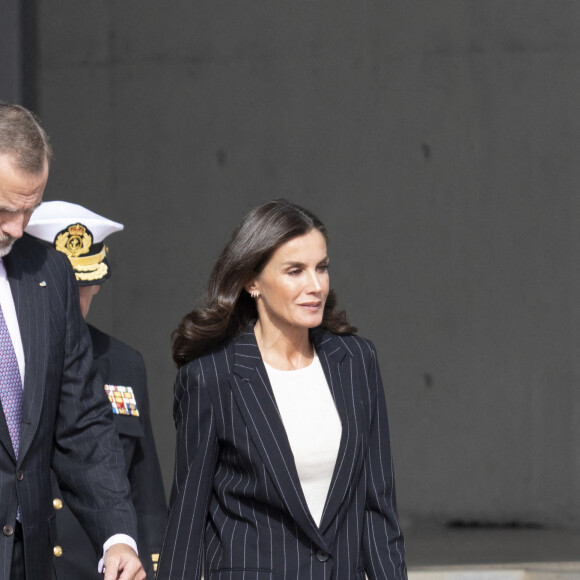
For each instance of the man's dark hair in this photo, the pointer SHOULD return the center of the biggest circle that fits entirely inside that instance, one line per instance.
(22, 136)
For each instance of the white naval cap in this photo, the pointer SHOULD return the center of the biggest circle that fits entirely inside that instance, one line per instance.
(77, 232)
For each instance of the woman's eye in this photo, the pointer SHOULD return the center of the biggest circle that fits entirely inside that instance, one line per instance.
(323, 267)
(294, 272)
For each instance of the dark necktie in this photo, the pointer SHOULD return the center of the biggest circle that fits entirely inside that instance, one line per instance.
(10, 384)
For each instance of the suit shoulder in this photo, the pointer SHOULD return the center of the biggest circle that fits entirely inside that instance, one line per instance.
(363, 342)
(357, 344)
(30, 245)
(105, 343)
(38, 252)
(359, 348)
(217, 360)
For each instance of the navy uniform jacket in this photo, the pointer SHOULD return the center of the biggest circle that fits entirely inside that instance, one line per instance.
(237, 503)
(119, 365)
(66, 420)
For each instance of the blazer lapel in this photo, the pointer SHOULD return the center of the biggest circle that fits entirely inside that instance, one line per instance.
(257, 404)
(31, 302)
(337, 363)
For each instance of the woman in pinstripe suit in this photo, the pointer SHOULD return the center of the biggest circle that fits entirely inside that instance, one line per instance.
(283, 464)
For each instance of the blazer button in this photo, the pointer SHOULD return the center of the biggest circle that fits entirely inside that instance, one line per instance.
(7, 530)
(57, 551)
(322, 556)
(20, 475)
(57, 503)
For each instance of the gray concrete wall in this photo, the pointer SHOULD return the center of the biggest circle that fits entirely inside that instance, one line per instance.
(439, 142)
(18, 52)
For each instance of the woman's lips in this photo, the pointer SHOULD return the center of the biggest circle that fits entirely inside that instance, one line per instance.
(311, 306)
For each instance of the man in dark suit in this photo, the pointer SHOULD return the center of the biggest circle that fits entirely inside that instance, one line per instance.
(53, 416)
(80, 234)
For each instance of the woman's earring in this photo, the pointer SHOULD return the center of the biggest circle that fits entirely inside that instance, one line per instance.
(254, 294)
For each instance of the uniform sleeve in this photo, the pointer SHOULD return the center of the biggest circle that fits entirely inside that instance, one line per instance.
(88, 458)
(145, 477)
(383, 544)
(196, 452)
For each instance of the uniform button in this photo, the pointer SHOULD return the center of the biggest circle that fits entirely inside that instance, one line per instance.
(57, 551)
(7, 530)
(20, 475)
(322, 556)
(57, 503)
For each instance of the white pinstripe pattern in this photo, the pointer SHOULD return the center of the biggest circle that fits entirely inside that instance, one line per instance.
(236, 489)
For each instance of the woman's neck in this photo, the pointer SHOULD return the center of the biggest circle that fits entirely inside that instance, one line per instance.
(284, 350)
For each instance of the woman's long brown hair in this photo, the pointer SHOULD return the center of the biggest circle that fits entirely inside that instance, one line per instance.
(226, 307)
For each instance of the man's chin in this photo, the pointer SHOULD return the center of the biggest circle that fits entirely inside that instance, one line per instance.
(5, 248)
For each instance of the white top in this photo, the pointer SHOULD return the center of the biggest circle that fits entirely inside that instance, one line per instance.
(313, 428)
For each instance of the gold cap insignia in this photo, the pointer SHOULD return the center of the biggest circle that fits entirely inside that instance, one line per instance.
(75, 241)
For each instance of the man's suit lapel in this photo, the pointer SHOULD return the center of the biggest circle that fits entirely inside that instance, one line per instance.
(31, 302)
(5, 436)
(337, 363)
(255, 398)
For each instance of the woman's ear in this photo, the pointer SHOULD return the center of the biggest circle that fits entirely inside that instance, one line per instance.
(252, 289)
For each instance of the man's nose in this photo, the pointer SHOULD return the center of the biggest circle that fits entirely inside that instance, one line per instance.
(13, 225)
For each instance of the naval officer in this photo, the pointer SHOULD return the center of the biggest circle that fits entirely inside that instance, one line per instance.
(80, 234)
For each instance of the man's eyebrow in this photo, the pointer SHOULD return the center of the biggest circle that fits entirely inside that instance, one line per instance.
(5, 209)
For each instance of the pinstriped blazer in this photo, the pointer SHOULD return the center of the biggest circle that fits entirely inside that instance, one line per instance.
(237, 503)
(65, 418)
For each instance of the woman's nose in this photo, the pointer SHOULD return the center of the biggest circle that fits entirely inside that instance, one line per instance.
(314, 284)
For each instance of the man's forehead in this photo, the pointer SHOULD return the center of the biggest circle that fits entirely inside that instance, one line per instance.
(13, 160)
